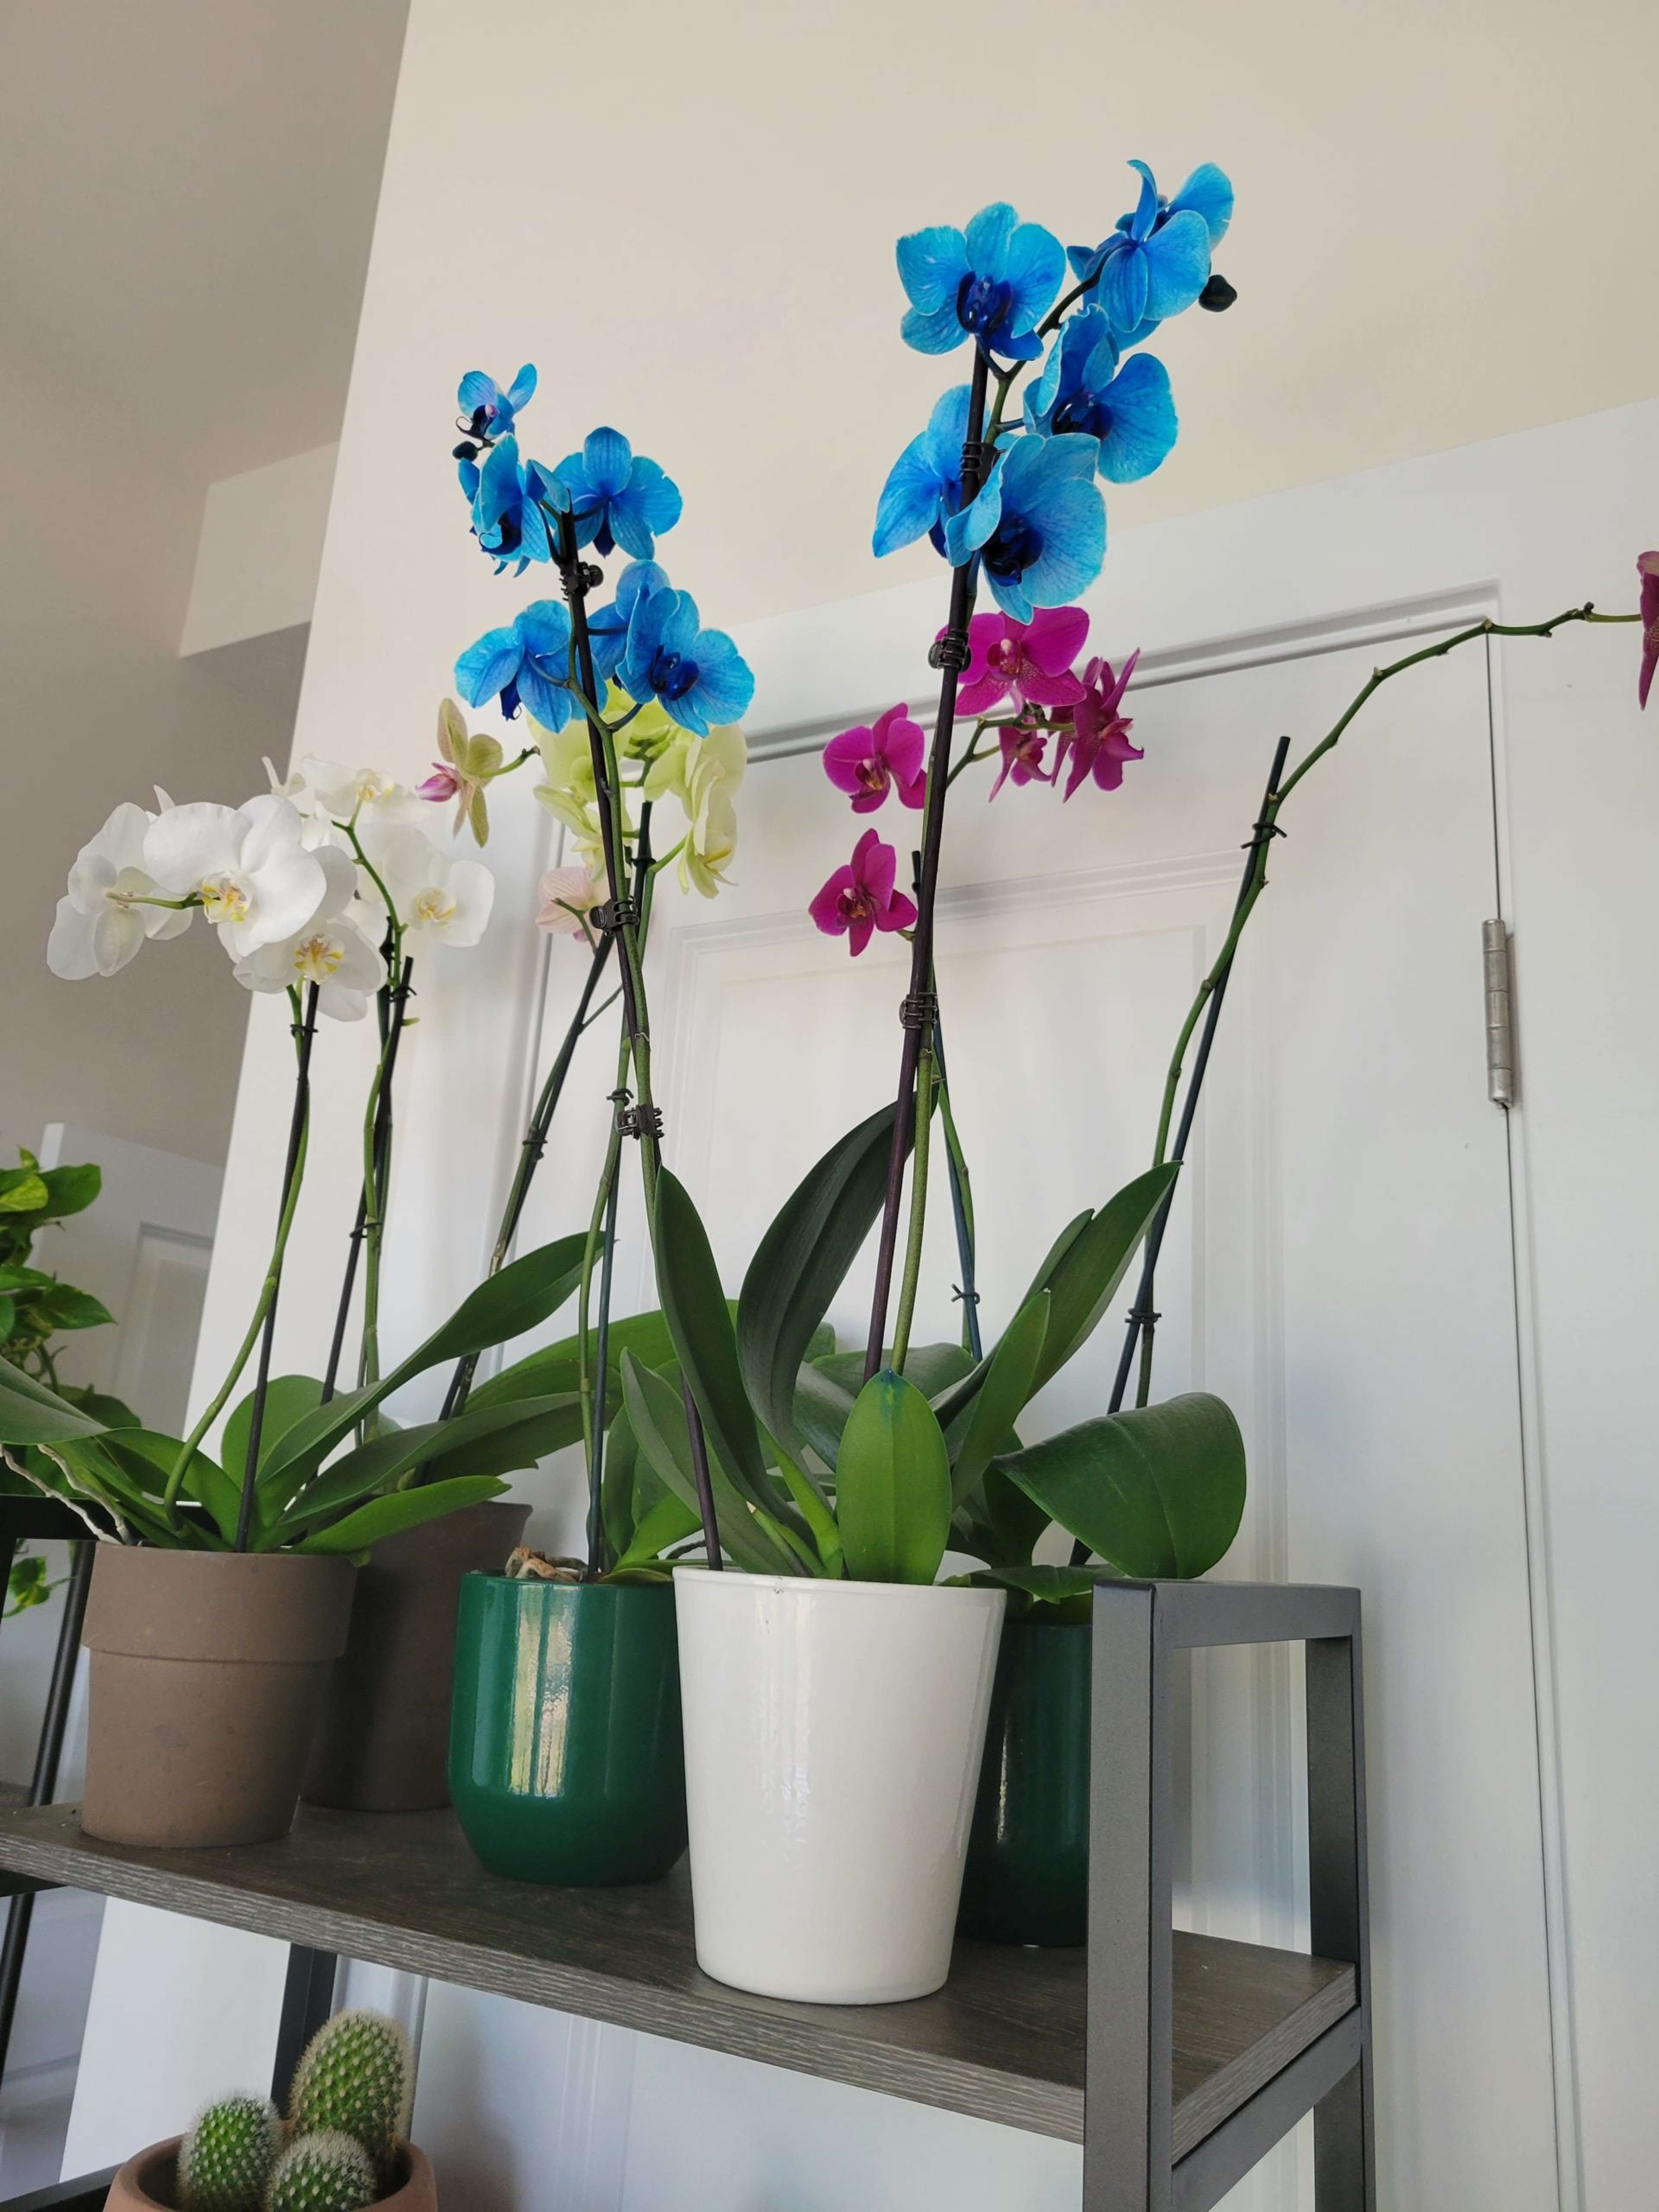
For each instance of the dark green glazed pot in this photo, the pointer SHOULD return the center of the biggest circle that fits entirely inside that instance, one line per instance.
(1027, 1853)
(565, 1758)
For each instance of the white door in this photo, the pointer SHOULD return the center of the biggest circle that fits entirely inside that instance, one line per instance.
(143, 1248)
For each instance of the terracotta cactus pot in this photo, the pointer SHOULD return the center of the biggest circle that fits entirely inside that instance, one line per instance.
(147, 2183)
(207, 1677)
(383, 1743)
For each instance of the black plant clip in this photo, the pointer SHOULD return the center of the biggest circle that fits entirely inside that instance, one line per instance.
(577, 578)
(637, 1121)
(919, 1009)
(614, 916)
(950, 649)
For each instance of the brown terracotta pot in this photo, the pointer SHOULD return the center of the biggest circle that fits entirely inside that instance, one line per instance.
(147, 2183)
(208, 1671)
(383, 1746)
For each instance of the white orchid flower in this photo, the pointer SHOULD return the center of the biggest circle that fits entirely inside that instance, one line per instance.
(567, 895)
(710, 842)
(247, 865)
(101, 923)
(334, 954)
(363, 795)
(435, 897)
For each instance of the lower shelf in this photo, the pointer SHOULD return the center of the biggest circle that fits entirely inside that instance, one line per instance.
(1004, 2040)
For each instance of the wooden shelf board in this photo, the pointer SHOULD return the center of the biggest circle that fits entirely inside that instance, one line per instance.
(1004, 2040)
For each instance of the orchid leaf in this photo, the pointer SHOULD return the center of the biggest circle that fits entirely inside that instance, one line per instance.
(288, 1398)
(893, 1484)
(670, 1521)
(404, 1509)
(1010, 1379)
(1091, 1266)
(620, 1514)
(801, 1263)
(1158, 1492)
(557, 1366)
(32, 1414)
(70, 1190)
(657, 1414)
(698, 1322)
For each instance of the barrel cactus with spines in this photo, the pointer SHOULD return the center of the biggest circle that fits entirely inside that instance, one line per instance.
(328, 2172)
(356, 2077)
(226, 2159)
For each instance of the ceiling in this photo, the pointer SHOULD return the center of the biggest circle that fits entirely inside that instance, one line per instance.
(189, 189)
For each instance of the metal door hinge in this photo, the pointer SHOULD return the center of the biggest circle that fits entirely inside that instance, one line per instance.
(1500, 1015)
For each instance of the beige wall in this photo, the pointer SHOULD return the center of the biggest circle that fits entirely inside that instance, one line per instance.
(96, 556)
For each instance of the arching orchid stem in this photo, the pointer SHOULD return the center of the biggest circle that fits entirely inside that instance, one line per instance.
(921, 943)
(607, 784)
(292, 1174)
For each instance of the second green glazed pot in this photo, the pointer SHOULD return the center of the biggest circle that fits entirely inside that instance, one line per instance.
(1028, 1854)
(566, 1762)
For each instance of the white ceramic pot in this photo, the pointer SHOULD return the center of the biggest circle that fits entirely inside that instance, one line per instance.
(833, 1734)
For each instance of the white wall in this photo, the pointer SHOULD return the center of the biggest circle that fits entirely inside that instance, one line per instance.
(95, 567)
(260, 548)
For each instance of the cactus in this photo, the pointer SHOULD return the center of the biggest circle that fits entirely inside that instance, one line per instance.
(225, 2161)
(355, 2077)
(328, 2172)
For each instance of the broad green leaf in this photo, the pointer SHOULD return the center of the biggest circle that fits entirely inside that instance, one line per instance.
(1063, 1596)
(505, 1439)
(70, 1190)
(931, 1367)
(801, 1263)
(556, 1366)
(658, 1418)
(525, 1293)
(65, 1307)
(1089, 1269)
(32, 1414)
(404, 1508)
(373, 1467)
(114, 1412)
(1158, 1492)
(1014, 1520)
(821, 1409)
(670, 1521)
(1010, 1379)
(814, 1509)
(688, 1285)
(25, 1278)
(893, 1485)
(288, 1399)
(7, 1316)
(22, 1191)
(618, 1515)
(149, 1459)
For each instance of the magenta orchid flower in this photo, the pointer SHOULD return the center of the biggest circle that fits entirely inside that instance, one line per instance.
(864, 762)
(1030, 663)
(1647, 568)
(443, 783)
(1023, 750)
(1098, 741)
(860, 897)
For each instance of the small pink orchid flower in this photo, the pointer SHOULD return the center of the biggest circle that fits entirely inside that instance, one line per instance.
(860, 897)
(443, 783)
(1023, 748)
(1029, 664)
(1098, 742)
(864, 762)
(1647, 568)
(567, 894)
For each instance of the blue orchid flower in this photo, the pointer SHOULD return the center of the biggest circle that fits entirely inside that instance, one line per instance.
(1083, 388)
(698, 676)
(527, 663)
(509, 498)
(994, 283)
(491, 411)
(1157, 262)
(618, 498)
(1039, 525)
(923, 489)
(607, 627)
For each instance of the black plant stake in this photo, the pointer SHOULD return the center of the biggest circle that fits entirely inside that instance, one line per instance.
(961, 1201)
(393, 1007)
(304, 1030)
(619, 916)
(917, 1012)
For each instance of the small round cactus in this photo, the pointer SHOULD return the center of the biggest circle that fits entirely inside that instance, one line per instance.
(356, 2077)
(329, 2171)
(225, 2161)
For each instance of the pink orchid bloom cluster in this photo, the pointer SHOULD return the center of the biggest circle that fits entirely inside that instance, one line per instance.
(1054, 721)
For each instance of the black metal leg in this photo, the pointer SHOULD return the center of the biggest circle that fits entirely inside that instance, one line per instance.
(48, 1753)
(88, 2192)
(307, 2001)
(1344, 2130)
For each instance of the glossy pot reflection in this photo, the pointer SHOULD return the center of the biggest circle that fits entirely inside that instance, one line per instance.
(1028, 1857)
(565, 1757)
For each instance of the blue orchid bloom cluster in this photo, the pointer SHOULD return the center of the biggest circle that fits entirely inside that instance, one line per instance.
(1096, 407)
(649, 638)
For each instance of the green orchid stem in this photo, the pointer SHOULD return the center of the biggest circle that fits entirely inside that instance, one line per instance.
(390, 1010)
(1141, 1322)
(914, 1012)
(962, 1203)
(262, 1327)
(607, 785)
(599, 1247)
(924, 1116)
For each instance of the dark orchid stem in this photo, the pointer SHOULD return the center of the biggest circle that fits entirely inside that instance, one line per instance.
(392, 1029)
(304, 1030)
(956, 1161)
(950, 656)
(601, 1354)
(647, 1122)
(530, 1155)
